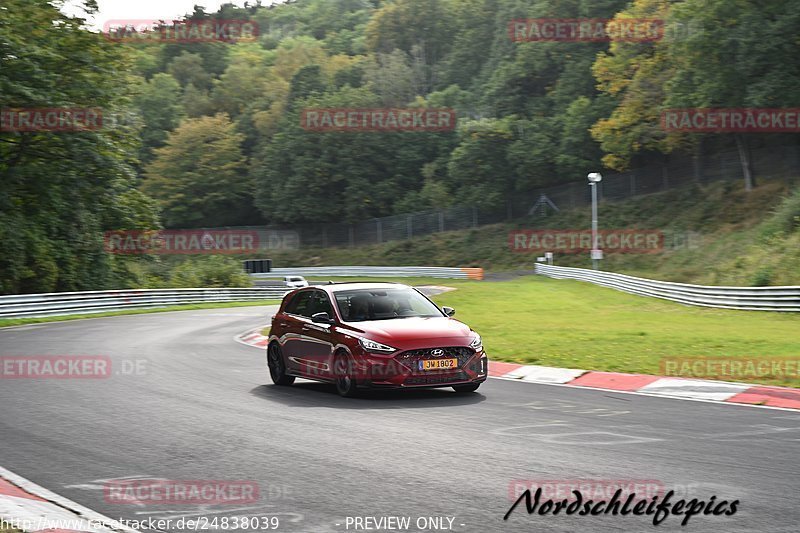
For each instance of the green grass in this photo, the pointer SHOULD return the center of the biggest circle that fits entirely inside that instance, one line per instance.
(565, 323)
(5, 322)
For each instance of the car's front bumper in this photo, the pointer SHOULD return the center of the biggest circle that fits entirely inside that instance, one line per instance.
(402, 370)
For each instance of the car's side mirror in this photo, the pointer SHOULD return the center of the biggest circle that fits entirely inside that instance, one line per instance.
(449, 311)
(321, 318)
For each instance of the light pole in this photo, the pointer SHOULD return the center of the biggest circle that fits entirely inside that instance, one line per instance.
(597, 253)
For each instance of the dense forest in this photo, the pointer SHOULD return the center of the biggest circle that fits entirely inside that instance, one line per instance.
(204, 134)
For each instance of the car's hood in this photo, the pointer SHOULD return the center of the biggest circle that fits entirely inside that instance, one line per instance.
(402, 330)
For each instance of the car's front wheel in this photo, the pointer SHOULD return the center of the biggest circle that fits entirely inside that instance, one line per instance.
(345, 375)
(471, 387)
(277, 367)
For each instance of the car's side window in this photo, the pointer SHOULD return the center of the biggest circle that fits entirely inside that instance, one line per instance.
(322, 304)
(301, 304)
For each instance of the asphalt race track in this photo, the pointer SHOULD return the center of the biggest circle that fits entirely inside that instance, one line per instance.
(201, 407)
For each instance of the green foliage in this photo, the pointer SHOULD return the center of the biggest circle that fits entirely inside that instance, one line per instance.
(785, 219)
(212, 271)
(160, 108)
(635, 76)
(187, 69)
(565, 106)
(60, 191)
(214, 132)
(304, 176)
(478, 170)
(198, 177)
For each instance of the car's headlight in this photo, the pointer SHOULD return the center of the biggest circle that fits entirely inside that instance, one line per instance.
(476, 343)
(372, 346)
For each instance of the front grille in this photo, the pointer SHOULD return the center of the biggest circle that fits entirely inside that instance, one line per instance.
(436, 379)
(410, 358)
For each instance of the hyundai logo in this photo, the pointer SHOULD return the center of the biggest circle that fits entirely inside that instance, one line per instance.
(437, 352)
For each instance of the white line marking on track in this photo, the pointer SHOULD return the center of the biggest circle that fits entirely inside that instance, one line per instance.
(663, 396)
(63, 503)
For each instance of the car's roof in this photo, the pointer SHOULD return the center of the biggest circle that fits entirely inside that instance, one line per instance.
(361, 285)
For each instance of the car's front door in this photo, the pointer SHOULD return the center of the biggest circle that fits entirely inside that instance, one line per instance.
(317, 340)
(292, 322)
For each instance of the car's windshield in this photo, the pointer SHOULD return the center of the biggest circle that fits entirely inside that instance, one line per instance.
(382, 304)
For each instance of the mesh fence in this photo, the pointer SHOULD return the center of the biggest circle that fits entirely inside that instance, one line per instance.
(771, 163)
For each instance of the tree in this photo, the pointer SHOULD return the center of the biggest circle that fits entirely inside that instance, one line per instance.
(635, 74)
(308, 176)
(199, 178)
(475, 28)
(576, 151)
(307, 82)
(531, 155)
(392, 77)
(421, 28)
(160, 106)
(196, 102)
(188, 69)
(478, 170)
(744, 55)
(244, 81)
(59, 191)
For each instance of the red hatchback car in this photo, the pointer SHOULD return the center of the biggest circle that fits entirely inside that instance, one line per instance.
(372, 335)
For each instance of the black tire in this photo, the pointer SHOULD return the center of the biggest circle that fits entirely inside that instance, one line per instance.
(465, 389)
(343, 372)
(277, 367)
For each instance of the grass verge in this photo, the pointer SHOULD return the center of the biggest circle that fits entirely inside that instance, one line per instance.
(566, 323)
(5, 322)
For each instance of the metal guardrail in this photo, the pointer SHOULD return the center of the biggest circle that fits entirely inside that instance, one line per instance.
(74, 303)
(786, 298)
(374, 271)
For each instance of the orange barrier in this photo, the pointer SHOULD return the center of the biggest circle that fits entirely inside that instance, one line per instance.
(473, 273)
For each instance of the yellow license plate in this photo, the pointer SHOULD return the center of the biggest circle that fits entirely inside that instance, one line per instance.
(437, 364)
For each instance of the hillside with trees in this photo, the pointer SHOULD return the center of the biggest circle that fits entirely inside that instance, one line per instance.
(209, 133)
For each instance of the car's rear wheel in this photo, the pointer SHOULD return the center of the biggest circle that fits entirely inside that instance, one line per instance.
(463, 389)
(277, 367)
(345, 376)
